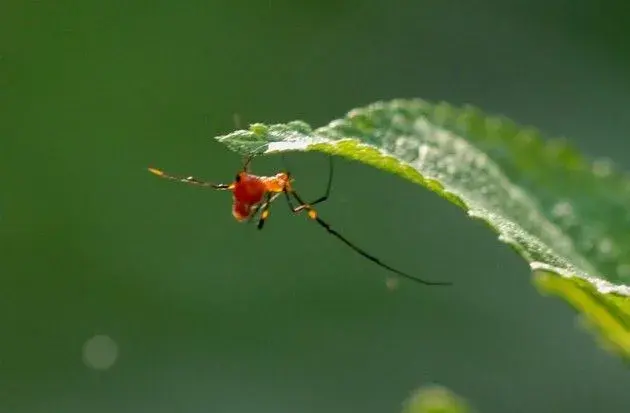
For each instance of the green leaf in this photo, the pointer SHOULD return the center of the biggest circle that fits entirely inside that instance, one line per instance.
(435, 399)
(566, 216)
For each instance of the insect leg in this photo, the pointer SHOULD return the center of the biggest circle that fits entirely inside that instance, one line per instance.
(255, 211)
(312, 214)
(264, 208)
(328, 185)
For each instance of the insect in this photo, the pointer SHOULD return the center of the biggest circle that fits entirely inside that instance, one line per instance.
(252, 196)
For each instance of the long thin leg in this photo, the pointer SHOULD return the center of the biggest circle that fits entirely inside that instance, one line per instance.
(247, 161)
(312, 213)
(190, 180)
(323, 197)
(292, 207)
(254, 212)
(264, 208)
(328, 186)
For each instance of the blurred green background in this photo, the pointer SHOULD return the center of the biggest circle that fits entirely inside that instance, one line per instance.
(208, 315)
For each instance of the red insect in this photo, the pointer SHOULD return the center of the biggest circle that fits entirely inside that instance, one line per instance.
(253, 195)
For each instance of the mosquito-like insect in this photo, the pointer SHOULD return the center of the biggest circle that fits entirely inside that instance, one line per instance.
(253, 195)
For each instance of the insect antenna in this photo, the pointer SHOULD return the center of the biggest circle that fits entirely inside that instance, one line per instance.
(189, 180)
(236, 118)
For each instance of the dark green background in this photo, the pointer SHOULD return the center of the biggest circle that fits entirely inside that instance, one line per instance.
(213, 316)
